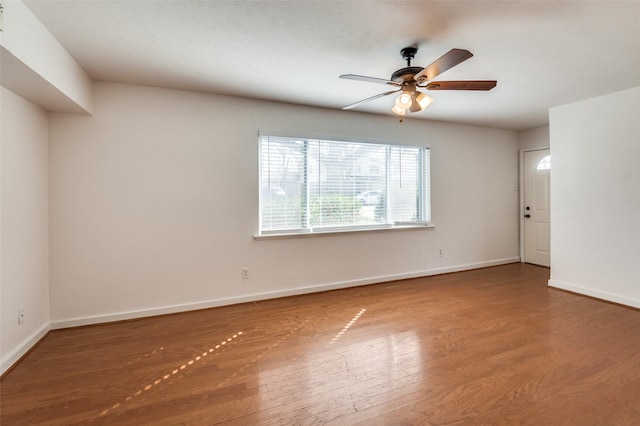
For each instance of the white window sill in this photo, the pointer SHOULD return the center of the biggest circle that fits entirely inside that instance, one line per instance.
(329, 232)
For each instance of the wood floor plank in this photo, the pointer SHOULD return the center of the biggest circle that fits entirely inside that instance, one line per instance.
(488, 346)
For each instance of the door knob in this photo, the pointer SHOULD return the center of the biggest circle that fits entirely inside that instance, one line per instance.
(527, 216)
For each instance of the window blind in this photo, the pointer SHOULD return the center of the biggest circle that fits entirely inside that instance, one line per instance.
(311, 185)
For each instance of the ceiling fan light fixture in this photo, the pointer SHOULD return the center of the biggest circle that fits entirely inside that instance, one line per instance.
(403, 103)
(404, 100)
(415, 105)
(399, 111)
(423, 100)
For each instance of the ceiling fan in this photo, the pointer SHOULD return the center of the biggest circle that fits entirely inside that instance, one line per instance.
(409, 79)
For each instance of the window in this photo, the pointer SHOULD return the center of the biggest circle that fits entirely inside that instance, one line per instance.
(311, 185)
(544, 164)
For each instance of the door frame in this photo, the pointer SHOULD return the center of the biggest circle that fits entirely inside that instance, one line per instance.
(521, 192)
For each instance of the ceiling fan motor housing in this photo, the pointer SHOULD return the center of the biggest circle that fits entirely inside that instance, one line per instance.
(405, 75)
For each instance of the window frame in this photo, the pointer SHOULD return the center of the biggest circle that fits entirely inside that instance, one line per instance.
(423, 207)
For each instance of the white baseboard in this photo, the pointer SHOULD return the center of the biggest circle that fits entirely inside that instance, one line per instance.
(598, 294)
(23, 348)
(99, 319)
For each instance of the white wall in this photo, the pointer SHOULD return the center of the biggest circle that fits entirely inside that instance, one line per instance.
(154, 205)
(534, 138)
(595, 197)
(24, 265)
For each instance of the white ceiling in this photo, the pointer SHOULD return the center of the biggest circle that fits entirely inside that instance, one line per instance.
(543, 53)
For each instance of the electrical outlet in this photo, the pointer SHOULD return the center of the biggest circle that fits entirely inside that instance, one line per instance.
(20, 316)
(245, 273)
(441, 253)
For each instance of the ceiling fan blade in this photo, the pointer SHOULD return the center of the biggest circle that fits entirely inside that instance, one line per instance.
(462, 85)
(370, 99)
(368, 79)
(445, 62)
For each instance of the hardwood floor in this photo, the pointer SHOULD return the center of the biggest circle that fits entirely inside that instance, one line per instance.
(489, 346)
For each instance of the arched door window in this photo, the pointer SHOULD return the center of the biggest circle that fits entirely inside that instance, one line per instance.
(544, 164)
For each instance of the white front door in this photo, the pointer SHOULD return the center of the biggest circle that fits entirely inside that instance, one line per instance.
(537, 179)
